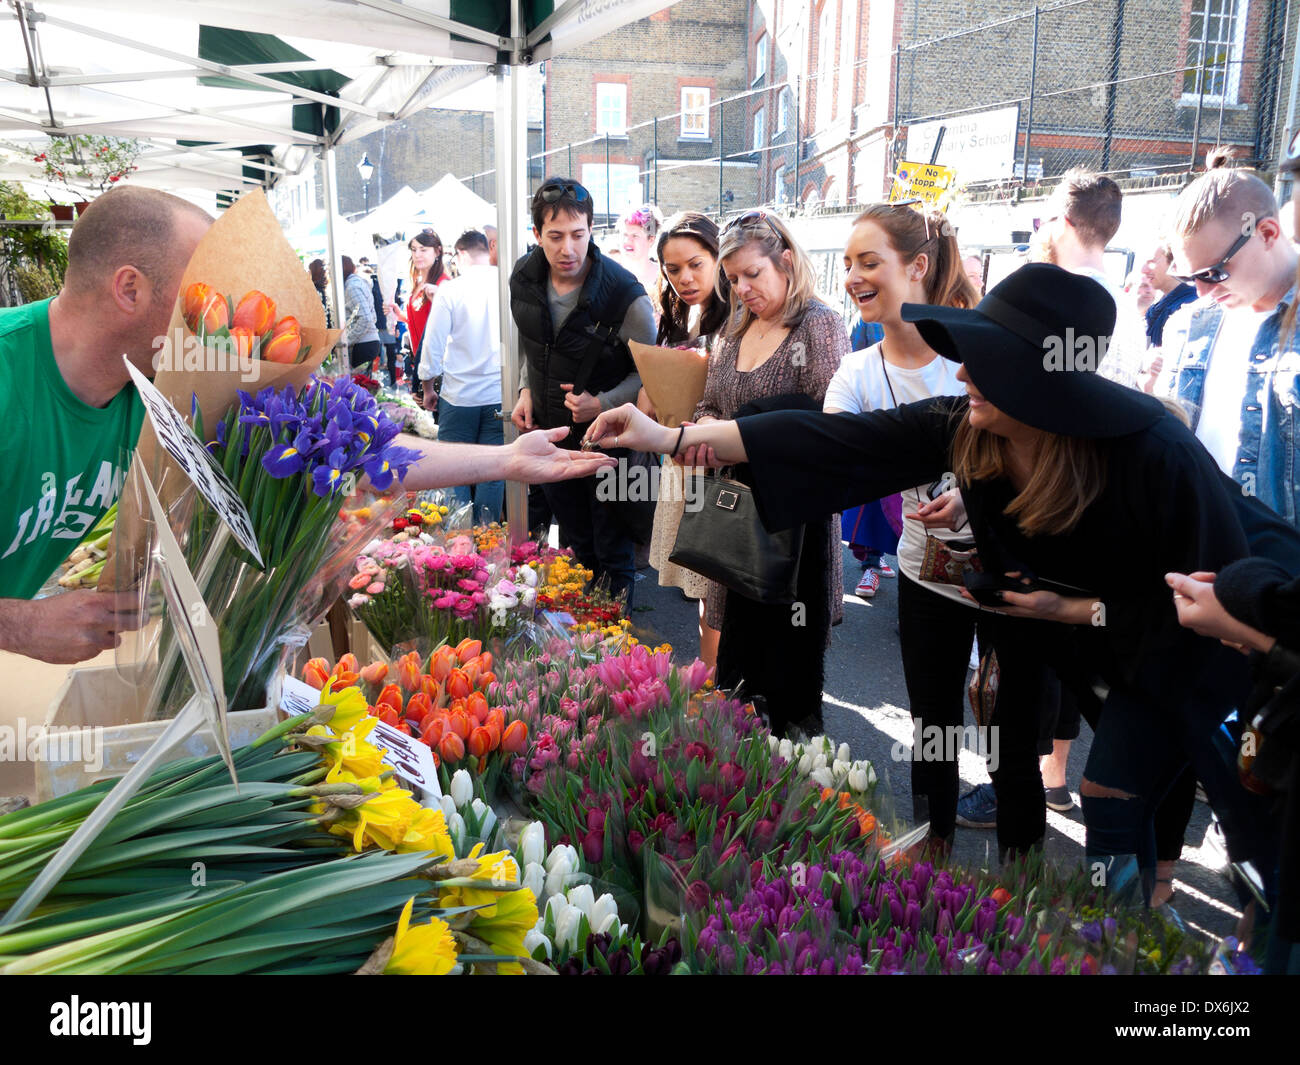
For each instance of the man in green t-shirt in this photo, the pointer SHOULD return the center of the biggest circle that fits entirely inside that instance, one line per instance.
(71, 416)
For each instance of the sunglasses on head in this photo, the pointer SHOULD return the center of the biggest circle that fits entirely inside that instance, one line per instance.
(556, 192)
(749, 218)
(1216, 274)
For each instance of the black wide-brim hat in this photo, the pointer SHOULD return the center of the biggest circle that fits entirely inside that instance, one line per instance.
(1032, 347)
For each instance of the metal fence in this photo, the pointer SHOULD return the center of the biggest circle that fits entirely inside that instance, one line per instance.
(1137, 89)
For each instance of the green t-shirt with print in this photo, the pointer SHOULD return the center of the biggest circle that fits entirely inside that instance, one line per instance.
(64, 462)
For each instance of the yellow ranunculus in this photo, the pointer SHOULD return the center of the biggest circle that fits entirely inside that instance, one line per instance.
(425, 950)
(504, 928)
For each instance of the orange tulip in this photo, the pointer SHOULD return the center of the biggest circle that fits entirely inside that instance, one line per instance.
(494, 730)
(480, 742)
(496, 716)
(287, 324)
(486, 680)
(467, 649)
(348, 663)
(486, 661)
(515, 737)
(339, 681)
(418, 707)
(477, 705)
(458, 685)
(375, 672)
(241, 343)
(432, 729)
(316, 673)
(431, 688)
(255, 312)
(203, 308)
(437, 760)
(471, 671)
(283, 348)
(408, 671)
(444, 660)
(451, 747)
(459, 722)
(390, 696)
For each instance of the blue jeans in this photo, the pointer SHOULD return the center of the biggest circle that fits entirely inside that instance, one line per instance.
(474, 425)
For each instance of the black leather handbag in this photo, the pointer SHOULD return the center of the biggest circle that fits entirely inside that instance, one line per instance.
(722, 538)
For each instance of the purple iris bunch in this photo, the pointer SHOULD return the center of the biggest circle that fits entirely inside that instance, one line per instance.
(327, 432)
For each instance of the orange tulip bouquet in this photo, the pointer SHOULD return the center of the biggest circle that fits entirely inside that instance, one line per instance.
(294, 447)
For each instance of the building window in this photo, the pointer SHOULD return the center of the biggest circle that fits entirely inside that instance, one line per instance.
(779, 193)
(611, 108)
(1216, 37)
(760, 60)
(695, 112)
(760, 131)
(622, 192)
(784, 110)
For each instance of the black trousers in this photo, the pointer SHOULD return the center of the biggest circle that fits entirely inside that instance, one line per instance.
(364, 354)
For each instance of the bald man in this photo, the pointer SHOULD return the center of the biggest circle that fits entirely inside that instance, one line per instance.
(71, 416)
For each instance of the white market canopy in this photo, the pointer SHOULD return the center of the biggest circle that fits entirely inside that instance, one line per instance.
(135, 69)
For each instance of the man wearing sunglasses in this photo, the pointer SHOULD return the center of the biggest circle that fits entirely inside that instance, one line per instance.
(1234, 368)
(576, 310)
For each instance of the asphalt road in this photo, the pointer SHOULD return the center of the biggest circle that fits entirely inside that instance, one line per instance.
(865, 706)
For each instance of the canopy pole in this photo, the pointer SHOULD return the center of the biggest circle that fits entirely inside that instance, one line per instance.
(510, 132)
(329, 181)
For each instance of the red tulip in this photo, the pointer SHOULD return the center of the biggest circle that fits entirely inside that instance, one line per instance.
(391, 696)
(458, 685)
(255, 312)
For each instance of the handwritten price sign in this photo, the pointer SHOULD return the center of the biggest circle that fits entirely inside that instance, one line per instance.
(199, 466)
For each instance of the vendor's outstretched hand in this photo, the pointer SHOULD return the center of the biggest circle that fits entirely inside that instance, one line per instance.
(536, 459)
(628, 427)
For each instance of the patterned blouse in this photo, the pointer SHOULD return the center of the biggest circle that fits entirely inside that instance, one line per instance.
(805, 361)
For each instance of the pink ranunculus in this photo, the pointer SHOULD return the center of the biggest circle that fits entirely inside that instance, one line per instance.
(359, 581)
(445, 602)
(375, 589)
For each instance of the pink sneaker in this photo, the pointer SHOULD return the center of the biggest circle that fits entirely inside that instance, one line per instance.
(869, 584)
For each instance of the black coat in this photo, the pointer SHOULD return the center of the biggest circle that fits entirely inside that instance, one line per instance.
(588, 337)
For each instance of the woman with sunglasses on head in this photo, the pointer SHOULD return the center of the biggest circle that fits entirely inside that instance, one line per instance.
(782, 345)
(427, 273)
(897, 255)
(1055, 464)
(693, 310)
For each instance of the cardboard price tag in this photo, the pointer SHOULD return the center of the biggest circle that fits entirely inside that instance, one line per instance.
(199, 466)
(410, 759)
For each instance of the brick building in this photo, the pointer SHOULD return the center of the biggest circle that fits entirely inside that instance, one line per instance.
(655, 88)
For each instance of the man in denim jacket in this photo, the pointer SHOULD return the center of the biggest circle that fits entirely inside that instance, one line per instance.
(1237, 368)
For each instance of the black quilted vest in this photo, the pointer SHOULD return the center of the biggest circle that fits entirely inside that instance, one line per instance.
(554, 359)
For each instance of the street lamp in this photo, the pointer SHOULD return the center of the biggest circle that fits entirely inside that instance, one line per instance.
(366, 169)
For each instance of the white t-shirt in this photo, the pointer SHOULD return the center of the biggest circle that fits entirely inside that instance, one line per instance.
(863, 383)
(1219, 426)
(1126, 355)
(463, 338)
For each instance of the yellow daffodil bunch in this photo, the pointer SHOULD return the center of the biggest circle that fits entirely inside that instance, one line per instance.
(499, 867)
(504, 927)
(390, 819)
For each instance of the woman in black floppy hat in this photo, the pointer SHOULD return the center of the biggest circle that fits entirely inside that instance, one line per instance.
(1088, 493)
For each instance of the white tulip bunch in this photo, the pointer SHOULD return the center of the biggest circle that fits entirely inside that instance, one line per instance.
(825, 764)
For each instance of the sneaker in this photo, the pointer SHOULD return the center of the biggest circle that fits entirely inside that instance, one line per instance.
(885, 569)
(868, 585)
(978, 808)
(1058, 799)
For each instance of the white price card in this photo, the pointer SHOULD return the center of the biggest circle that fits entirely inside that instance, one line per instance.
(410, 759)
(193, 457)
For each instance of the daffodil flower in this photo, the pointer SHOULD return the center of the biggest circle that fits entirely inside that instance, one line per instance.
(423, 950)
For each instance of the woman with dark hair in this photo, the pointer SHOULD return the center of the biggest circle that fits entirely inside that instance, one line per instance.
(427, 274)
(361, 332)
(320, 278)
(1055, 464)
(692, 302)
